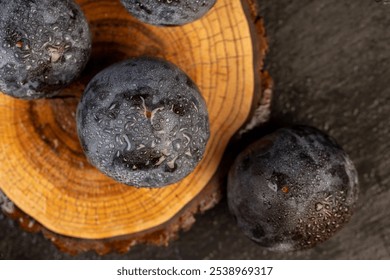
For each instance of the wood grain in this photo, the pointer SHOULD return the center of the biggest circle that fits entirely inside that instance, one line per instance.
(42, 167)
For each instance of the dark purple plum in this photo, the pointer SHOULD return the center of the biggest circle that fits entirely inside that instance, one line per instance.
(44, 45)
(292, 189)
(168, 12)
(143, 122)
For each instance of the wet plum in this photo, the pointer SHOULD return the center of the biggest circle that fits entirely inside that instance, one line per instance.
(44, 45)
(143, 122)
(292, 189)
(165, 12)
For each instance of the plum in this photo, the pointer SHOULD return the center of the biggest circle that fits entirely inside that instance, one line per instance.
(44, 46)
(168, 12)
(143, 122)
(292, 189)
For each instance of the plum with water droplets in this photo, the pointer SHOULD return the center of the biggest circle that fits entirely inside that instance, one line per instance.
(143, 122)
(292, 189)
(168, 12)
(44, 46)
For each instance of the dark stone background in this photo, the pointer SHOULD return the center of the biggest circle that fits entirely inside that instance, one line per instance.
(331, 64)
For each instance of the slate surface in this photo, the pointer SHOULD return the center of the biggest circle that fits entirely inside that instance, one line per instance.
(331, 64)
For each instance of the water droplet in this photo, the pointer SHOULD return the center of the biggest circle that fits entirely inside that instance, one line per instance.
(319, 206)
(273, 186)
(176, 144)
(188, 153)
(126, 138)
(118, 130)
(171, 163)
(140, 146)
(68, 56)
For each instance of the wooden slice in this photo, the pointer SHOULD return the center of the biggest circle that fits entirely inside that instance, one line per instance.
(45, 173)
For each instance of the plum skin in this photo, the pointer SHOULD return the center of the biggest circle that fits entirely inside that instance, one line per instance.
(168, 13)
(44, 46)
(143, 123)
(292, 189)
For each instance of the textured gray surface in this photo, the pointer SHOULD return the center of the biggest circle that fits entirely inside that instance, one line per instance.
(330, 61)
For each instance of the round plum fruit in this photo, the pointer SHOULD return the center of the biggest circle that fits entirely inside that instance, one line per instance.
(44, 45)
(143, 122)
(168, 12)
(292, 189)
